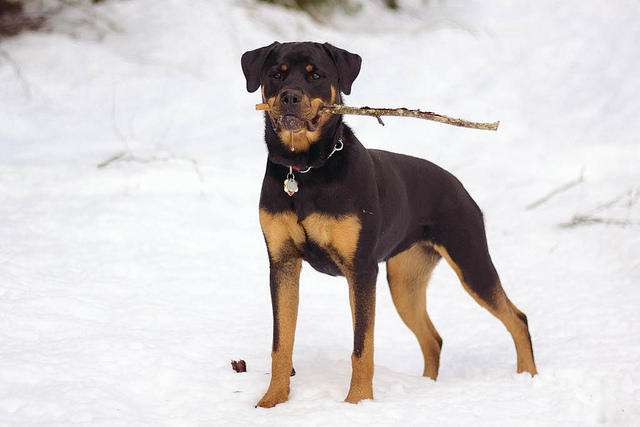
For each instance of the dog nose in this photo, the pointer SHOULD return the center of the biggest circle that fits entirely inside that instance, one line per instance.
(291, 97)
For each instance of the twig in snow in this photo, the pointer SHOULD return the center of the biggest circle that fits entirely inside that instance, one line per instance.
(588, 220)
(83, 15)
(128, 156)
(628, 199)
(93, 17)
(397, 112)
(113, 159)
(16, 69)
(555, 192)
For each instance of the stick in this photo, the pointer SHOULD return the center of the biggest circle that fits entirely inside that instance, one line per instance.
(588, 220)
(397, 112)
(632, 196)
(555, 192)
(17, 71)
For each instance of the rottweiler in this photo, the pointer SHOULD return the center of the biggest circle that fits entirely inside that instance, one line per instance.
(342, 208)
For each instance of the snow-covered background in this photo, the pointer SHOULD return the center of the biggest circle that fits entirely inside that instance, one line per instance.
(133, 270)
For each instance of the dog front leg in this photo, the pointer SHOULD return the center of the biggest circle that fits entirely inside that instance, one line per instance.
(284, 282)
(362, 295)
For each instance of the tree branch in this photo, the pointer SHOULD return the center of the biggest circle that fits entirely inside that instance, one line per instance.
(628, 200)
(398, 112)
(555, 192)
(127, 157)
(16, 69)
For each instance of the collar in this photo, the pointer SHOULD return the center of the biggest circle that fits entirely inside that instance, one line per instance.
(290, 183)
(337, 147)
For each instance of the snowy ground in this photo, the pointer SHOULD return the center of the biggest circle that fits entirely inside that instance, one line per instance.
(127, 289)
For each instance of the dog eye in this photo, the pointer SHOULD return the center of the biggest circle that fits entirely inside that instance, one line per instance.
(277, 75)
(315, 76)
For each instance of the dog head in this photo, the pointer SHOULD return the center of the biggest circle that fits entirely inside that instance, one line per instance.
(296, 80)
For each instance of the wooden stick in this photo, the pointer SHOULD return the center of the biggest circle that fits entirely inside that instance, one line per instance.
(397, 112)
(555, 192)
(628, 200)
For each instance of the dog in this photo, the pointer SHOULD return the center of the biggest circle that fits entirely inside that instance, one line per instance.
(343, 209)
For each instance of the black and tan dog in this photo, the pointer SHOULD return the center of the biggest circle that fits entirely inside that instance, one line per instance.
(343, 208)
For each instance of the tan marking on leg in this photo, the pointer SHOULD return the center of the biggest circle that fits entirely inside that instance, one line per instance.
(500, 306)
(516, 323)
(287, 314)
(278, 229)
(361, 386)
(284, 236)
(337, 235)
(445, 254)
(408, 274)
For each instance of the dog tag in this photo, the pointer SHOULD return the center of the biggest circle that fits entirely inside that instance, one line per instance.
(290, 185)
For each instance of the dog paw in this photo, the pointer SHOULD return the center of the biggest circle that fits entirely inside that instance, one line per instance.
(356, 397)
(271, 399)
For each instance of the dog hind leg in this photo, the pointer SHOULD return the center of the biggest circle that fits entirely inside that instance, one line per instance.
(469, 258)
(408, 274)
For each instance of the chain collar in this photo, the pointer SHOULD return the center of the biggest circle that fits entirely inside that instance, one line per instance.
(291, 185)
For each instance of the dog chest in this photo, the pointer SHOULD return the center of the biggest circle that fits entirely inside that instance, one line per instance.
(322, 239)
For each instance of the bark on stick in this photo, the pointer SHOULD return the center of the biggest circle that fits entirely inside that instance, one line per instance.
(398, 112)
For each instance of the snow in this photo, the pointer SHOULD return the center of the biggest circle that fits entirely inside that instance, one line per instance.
(127, 289)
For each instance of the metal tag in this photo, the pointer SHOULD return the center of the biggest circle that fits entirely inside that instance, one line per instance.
(290, 185)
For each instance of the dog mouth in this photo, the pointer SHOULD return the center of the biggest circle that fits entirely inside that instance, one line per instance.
(294, 111)
(295, 123)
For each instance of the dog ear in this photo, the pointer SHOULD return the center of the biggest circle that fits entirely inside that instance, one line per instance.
(252, 62)
(348, 66)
